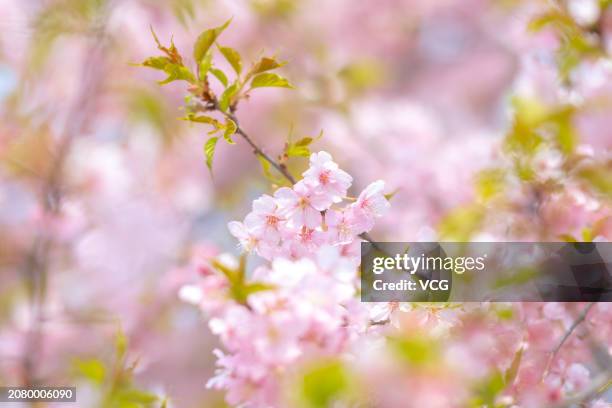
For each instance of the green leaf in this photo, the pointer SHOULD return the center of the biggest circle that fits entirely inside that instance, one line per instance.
(530, 111)
(230, 274)
(587, 235)
(392, 194)
(297, 151)
(270, 80)
(203, 119)
(177, 73)
(504, 313)
(226, 97)
(265, 64)
(524, 170)
(488, 390)
(364, 74)
(529, 114)
(230, 129)
(255, 287)
(241, 290)
(512, 371)
(156, 62)
(91, 369)
(233, 57)
(323, 384)
(599, 178)
(205, 40)
(155, 37)
(184, 10)
(242, 266)
(172, 53)
(556, 18)
(566, 134)
(304, 141)
(490, 183)
(220, 75)
(299, 148)
(209, 151)
(138, 396)
(518, 277)
(567, 238)
(121, 343)
(461, 223)
(205, 65)
(266, 167)
(414, 349)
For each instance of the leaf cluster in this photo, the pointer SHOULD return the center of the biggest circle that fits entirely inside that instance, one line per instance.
(235, 86)
(578, 42)
(115, 380)
(239, 287)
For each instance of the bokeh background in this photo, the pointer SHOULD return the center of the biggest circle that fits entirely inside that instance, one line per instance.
(105, 195)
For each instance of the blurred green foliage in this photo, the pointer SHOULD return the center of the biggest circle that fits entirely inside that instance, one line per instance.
(114, 380)
(415, 349)
(239, 288)
(323, 384)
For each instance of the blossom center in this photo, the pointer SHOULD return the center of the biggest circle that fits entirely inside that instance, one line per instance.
(272, 221)
(344, 228)
(303, 202)
(306, 234)
(324, 177)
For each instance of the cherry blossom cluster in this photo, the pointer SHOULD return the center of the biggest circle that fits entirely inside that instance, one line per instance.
(311, 314)
(309, 308)
(296, 221)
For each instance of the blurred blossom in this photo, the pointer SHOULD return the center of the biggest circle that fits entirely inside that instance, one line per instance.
(458, 120)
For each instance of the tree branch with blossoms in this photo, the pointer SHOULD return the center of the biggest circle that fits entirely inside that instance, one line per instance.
(302, 304)
(203, 99)
(308, 231)
(281, 168)
(579, 319)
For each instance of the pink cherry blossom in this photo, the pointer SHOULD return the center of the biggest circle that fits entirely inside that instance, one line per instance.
(326, 178)
(250, 234)
(128, 196)
(302, 205)
(341, 226)
(577, 377)
(305, 241)
(370, 204)
(267, 218)
(313, 262)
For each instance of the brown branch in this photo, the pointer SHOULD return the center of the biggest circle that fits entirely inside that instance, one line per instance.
(281, 168)
(379, 322)
(35, 267)
(600, 384)
(579, 319)
(212, 104)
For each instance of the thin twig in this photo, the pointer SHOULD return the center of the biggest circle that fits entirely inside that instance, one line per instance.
(600, 384)
(566, 335)
(282, 169)
(36, 263)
